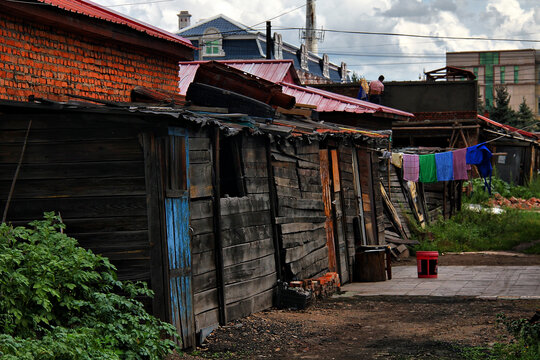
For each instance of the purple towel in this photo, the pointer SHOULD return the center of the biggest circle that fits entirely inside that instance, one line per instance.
(444, 164)
(411, 167)
(460, 165)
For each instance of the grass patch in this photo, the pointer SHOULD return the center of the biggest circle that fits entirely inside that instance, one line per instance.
(535, 249)
(477, 231)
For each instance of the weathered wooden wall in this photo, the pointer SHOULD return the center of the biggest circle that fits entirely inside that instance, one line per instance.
(203, 241)
(90, 170)
(300, 213)
(249, 272)
(248, 248)
(350, 206)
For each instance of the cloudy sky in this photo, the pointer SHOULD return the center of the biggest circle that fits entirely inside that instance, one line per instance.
(397, 57)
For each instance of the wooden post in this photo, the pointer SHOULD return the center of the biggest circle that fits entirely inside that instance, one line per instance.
(218, 241)
(276, 234)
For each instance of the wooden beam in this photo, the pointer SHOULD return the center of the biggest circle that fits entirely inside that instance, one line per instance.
(435, 127)
(276, 234)
(218, 253)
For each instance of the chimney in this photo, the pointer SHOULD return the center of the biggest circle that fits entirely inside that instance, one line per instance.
(311, 25)
(184, 19)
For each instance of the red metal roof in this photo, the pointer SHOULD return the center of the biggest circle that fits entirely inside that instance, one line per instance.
(94, 10)
(327, 101)
(508, 127)
(274, 71)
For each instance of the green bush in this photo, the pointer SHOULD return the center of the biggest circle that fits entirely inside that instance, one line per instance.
(470, 230)
(60, 301)
(524, 344)
(480, 196)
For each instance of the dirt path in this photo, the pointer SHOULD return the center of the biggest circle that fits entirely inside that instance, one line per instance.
(380, 327)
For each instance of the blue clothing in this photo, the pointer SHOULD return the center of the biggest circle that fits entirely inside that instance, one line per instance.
(445, 166)
(362, 94)
(480, 156)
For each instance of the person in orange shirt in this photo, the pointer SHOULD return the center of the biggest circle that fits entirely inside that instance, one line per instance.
(376, 89)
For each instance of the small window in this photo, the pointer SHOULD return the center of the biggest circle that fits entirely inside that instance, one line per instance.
(475, 71)
(176, 181)
(231, 169)
(516, 74)
(503, 74)
(212, 43)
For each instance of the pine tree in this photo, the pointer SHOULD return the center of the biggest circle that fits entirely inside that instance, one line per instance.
(526, 118)
(501, 111)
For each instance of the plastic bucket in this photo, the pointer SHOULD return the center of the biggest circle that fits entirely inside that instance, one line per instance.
(427, 263)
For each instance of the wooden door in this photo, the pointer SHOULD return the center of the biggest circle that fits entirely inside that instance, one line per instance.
(178, 237)
(359, 203)
(368, 196)
(327, 200)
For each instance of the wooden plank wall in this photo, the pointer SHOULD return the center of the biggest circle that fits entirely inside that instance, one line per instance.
(90, 170)
(398, 198)
(350, 208)
(248, 248)
(202, 242)
(379, 207)
(300, 213)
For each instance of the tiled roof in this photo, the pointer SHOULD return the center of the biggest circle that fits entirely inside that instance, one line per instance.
(326, 101)
(224, 26)
(94, 10)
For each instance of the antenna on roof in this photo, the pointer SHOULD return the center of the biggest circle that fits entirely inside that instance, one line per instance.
(310, 34)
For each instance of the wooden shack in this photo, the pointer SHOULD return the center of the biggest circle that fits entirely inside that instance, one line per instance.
(210, 209)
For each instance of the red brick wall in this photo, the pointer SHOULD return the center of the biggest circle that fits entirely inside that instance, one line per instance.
(47, 62)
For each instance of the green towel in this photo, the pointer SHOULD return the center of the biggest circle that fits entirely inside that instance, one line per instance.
(428, 169)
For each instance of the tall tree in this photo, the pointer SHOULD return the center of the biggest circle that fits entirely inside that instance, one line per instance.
(526, 118)
(501, 111)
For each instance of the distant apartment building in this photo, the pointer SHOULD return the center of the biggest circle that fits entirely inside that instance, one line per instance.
(518, 70)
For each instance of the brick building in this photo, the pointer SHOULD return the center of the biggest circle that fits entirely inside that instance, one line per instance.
(518, 70)
(51, 48)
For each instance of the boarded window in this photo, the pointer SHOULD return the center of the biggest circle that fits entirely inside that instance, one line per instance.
(231, 169)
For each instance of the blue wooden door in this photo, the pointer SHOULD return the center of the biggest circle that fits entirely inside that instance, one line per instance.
(178, 237)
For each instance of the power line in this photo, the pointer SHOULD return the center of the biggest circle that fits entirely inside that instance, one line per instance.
(275, 17)
(413, 35)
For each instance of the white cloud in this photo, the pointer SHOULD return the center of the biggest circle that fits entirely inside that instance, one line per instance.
(462, 18)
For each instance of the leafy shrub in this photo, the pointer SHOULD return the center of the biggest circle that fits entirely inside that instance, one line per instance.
(60, 301)
(480, 196)
(524, 345)
(470, 230)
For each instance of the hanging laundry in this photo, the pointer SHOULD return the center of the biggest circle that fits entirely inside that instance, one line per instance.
(411, 167)
(386, 154)
(397, 159)
(428, 170)
(460, 164)
(445, 166)
(480, 156)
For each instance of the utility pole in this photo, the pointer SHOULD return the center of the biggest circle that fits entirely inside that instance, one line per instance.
(268, 40)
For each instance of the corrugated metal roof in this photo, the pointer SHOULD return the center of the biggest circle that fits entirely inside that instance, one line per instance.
(274, 71)
(97, 11)
(508, 127)
(330, 102)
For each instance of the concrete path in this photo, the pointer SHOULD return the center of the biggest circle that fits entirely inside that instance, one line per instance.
(491, 282)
